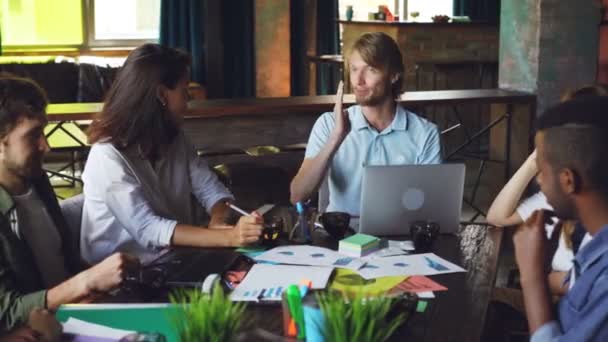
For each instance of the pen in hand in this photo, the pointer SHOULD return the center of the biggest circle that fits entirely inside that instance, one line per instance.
(237, 209)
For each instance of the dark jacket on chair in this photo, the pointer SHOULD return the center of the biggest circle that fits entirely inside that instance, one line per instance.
(21, 286)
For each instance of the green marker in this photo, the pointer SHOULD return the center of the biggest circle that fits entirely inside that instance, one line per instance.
(294, 300)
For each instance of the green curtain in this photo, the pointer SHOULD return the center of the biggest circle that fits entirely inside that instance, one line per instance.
(478, 10)
(239, 53)
(181, 26)
(328, 42)
(299, 61)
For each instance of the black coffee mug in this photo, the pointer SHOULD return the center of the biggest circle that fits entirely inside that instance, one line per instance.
(423, 234)
(272, 230)
(336, 224)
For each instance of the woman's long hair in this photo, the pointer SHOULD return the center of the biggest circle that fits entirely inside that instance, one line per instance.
(132, 113)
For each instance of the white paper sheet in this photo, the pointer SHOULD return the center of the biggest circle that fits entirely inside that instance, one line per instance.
(265, 208)
(406, 245)
(113, 306)
(426, 295)
(385, 252)
(78, 327)
(417, 264)
(310, 256)
(272, 280)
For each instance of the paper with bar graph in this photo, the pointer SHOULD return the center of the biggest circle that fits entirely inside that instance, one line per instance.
(266, 282)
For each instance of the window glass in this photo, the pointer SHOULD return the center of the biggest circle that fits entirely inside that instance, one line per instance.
(41, 22)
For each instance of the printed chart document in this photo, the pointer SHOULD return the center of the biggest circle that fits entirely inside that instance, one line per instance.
(311, 256)
(267, 282)
(417, 264)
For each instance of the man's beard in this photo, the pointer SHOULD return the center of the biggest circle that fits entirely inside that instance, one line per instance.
(31, 168)
(375, 98)
(563, 207)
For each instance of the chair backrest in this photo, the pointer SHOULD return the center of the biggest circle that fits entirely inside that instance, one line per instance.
(71, 209)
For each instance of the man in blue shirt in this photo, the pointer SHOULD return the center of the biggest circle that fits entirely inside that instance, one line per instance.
(571, 142)
(377, 131)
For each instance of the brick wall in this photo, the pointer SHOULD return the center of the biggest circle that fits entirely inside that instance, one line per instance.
(548, 46)
(426, 42)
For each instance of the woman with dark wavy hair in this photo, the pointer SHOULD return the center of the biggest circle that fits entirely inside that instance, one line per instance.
(142, 172)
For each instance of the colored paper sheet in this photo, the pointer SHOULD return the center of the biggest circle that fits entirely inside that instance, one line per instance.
(253, 249)
(421, 306)
(251, 252)
(418, 284)
(351, 283)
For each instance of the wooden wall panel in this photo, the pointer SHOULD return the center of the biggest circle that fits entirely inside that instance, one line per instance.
(272, 48)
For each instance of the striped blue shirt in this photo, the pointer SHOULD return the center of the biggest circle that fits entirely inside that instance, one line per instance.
(583, 311)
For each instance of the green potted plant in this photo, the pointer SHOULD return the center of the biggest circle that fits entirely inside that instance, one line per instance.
(207, 317)
(361, 318)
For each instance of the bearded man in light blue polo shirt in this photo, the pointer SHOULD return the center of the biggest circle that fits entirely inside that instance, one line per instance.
(376, 131)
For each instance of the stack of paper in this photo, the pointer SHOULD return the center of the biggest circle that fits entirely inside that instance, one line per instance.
(359, 245)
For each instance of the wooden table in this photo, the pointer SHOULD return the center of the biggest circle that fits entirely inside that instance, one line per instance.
(457, 314)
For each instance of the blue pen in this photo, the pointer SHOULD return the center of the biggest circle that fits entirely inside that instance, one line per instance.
(303, 222)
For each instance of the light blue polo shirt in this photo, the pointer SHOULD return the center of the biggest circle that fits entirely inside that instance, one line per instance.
(409, 139)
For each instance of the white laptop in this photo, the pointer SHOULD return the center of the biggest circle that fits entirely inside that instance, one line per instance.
(393, 197)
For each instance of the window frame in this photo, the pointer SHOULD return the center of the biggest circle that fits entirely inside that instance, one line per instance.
(89, 43)
(89, 32)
